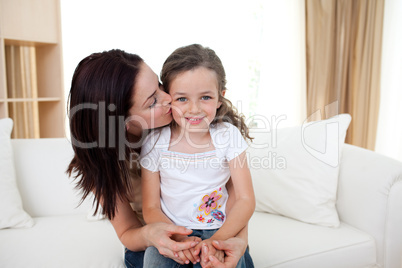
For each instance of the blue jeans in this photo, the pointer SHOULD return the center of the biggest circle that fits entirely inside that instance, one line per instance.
(134, 259)
(248, 259)
(152, 257)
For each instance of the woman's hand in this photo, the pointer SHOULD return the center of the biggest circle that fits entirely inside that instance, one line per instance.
(188, 255)
(234, 249)
(207, 249)
(160, 235)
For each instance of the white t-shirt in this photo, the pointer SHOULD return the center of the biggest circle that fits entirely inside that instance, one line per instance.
(193, 192)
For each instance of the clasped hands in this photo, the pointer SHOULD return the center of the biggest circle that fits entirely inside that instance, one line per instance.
(204, 251)
(161, 235)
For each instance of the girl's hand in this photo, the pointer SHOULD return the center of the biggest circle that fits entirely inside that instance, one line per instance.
(192, 254)
(160, 235)
(207, 250)
(234, 249)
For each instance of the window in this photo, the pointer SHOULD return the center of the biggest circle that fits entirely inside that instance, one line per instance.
(261, 44)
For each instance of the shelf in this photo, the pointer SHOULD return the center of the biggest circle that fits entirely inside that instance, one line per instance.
(31, 75)
(15, 42)
(30, 100)
(35, 119)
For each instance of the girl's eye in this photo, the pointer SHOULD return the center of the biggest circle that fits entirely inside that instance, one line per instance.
(181, 99)
(206, 98)
(154, 103)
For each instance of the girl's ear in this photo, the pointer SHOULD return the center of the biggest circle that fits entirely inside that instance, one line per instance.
(219, 102)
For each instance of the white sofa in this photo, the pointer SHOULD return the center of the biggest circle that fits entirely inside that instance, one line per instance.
(63, 235)
(369, 205)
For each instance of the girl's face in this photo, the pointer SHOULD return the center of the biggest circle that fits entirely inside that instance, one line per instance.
(195, 98)
(151, 107)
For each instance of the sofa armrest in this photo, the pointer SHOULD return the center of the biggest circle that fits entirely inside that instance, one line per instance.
(370, 199)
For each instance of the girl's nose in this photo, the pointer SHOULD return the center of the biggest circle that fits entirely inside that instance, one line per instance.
(194, 108)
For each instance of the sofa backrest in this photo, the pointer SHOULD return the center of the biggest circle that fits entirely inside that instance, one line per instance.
(45, 188)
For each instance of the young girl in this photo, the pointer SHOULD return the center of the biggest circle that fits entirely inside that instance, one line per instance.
(186, 165)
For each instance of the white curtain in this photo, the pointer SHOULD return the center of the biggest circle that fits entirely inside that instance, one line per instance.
(282, 87)
(389, 131)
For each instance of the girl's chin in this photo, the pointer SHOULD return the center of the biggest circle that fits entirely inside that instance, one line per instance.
(196, 127)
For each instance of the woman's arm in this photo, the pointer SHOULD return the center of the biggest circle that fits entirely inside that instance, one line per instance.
(128, 226)
(136, 237)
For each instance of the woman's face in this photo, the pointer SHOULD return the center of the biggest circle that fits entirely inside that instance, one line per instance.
(151, 107)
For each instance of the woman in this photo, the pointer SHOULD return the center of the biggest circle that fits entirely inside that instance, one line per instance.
(115, 99)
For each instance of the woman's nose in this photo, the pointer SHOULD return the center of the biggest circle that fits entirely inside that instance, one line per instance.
(167, 99)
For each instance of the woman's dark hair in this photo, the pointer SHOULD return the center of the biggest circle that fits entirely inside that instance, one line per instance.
(100, 97)
(194, 56)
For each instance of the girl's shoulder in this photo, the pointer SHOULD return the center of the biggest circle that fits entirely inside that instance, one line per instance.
(228, 140)
(224, 129)
(225, 133)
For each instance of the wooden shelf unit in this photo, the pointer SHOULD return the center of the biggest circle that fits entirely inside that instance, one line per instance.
(31, 74)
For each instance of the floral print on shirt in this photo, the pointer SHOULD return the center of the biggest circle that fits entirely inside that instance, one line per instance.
(209, 208)
(218, 215)
(210, 202)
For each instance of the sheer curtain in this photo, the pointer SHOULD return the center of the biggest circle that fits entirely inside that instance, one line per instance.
(389, 133)
(343, 63)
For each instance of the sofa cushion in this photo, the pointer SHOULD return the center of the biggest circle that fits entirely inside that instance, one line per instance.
(295, 170)
(12, 214)
(31, 156)
(62, 241)
(277, 241)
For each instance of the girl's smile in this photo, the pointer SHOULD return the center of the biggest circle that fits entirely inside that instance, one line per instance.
(194, 120)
